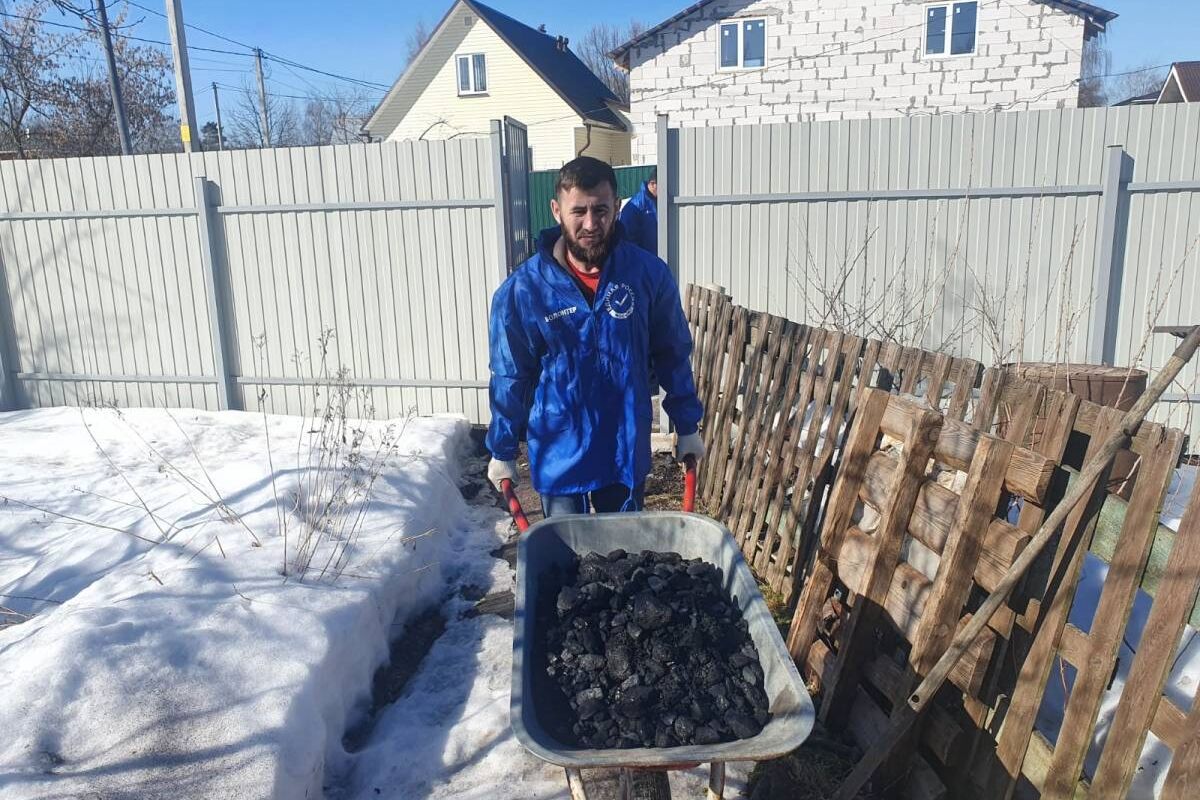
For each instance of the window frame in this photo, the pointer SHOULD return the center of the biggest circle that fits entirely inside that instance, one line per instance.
(949, 31)
(739, 22)
(459, 58)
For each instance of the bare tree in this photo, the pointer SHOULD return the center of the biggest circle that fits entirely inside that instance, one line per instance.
(30, 86)
(416, 39)
(56, 110)
(243, 123)
(601, 40)
(334, 118)
(1135, 82)
(1097, 62)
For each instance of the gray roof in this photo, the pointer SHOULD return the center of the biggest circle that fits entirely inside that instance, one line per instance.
(1096, 16)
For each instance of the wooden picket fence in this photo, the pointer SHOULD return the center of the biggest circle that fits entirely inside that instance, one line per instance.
(923, 491)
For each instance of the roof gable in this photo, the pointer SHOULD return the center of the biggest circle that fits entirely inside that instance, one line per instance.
(1094, 15)
(560, 69)
(1186, 75)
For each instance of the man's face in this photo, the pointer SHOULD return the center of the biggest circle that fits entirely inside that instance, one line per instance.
(652, 187)
(588, 218)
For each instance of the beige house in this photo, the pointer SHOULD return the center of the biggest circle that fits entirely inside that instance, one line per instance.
(481, 65)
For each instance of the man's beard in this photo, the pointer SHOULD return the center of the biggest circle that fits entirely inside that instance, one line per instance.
(592, 255)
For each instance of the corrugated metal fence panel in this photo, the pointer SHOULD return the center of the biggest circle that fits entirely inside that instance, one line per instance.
(111, 295)
(377, 295)
(995, 278)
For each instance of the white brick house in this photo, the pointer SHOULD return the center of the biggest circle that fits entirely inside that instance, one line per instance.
(721, 62)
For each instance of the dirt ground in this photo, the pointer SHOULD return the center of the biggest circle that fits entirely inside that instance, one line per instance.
(664, 485)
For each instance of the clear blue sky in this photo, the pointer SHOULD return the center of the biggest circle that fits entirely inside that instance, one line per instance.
(366, 38)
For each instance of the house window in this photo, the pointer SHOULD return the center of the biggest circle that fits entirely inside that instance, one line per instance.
(743, 44)
(472, 74)
(950, 29)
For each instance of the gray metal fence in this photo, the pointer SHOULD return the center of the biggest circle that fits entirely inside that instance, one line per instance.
(1059, 235)
(212, 279)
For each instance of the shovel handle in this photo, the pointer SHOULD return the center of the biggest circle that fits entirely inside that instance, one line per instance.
(514, 505)
(689, 483)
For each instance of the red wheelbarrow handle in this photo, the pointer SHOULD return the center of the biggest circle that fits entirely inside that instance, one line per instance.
(514, 505)
(522, 522)
(689, 483)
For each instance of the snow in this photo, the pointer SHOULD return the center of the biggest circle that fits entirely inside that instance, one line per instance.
(192, 667)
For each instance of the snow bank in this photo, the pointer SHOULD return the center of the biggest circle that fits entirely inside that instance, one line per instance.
(193, 668)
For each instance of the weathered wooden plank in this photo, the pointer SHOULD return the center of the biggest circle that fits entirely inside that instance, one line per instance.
(956, 569)
(1035, 669)
(821, 471)
(1028, 475)
(1112, 613)
(866, 723)
(813, 442)
(795, 435)
(722, 433)
(939, 372)
(760, 439)
(1142, 694)
(919, 437)
(752, 374)
(859, 447)
(783, 443)
(965, 378)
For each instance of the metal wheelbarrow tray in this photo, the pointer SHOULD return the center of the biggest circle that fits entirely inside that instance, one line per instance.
(544, 557)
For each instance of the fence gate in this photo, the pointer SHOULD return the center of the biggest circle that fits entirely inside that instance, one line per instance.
(514, 138)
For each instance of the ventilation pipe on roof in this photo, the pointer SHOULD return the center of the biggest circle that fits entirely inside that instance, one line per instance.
(561, 42)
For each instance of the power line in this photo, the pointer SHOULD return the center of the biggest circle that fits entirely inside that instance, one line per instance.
(269, 56)
(117, 35)
(192, 25)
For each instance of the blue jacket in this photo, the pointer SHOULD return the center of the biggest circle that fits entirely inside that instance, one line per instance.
(640, 218)
(573, 378)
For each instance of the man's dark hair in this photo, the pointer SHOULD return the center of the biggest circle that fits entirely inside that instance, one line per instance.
(653, 175)
(585, 173)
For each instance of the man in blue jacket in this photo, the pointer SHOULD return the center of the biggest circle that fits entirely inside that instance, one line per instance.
(639, 217)
(572, 332)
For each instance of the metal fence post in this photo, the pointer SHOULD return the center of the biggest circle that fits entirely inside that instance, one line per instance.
(665, 178)
(1109, 269)
(665, 190)
(219, 313)
(9, 358)
(500, 181)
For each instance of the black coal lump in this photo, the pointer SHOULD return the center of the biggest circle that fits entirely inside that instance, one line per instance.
(650, 651)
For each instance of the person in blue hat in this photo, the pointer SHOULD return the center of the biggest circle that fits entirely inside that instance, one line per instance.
(640, 216)
(571, 333)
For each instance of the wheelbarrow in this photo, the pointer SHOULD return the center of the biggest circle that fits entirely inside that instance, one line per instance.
(549, 549)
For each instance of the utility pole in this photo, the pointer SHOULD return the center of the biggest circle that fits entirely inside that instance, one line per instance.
(183, 78)
(264, 123)
(217, 105)
(114, 82)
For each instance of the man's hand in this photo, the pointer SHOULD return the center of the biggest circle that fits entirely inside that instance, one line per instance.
(689, 445)
(499, 470)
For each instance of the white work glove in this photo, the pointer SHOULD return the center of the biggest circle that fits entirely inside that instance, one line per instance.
(689, 445)
(499, 470)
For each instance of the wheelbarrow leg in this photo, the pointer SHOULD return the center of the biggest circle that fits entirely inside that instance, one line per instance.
(716, 780)
(575, 784)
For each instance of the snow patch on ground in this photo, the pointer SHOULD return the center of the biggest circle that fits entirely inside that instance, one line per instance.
(192, 667)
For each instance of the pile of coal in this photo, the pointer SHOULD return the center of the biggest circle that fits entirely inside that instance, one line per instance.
(650, 651)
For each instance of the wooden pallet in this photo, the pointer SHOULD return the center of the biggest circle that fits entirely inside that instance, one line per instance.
(955, 544)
